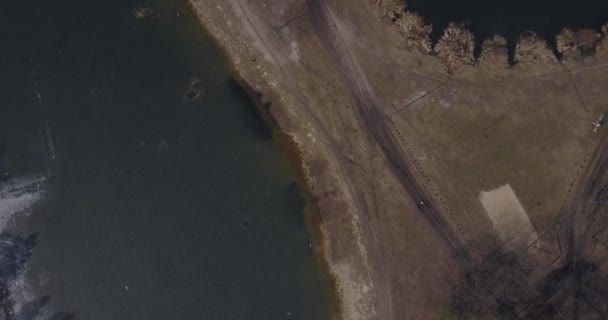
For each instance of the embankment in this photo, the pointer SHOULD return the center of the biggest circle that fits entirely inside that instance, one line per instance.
(270, 107)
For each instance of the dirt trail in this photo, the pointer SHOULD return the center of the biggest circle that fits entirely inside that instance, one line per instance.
(376, 122)
(294, 87)
(346, 172)
(586, 219)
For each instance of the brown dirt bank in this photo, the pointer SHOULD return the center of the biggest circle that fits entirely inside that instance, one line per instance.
(290, 150)
(396, 144)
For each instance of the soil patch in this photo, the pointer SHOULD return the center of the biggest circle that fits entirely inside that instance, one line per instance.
(508, 217)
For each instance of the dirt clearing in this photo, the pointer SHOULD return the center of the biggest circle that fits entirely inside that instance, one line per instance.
(509, 217)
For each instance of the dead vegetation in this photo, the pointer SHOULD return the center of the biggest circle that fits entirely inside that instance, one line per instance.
(566, 44)
(494, 54)
(390, 6)
(586, 40)
(455, 47)
(573, 45)
(571, 283)
(416, 33)
(507, 286)
(465, 131)
(602, 44)
(531, 49)
(288, 17)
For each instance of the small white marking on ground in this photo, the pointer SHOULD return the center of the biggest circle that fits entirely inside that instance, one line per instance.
(417, 95)
(445, 103)
(295, 51)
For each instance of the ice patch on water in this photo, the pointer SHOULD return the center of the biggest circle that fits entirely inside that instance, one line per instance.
(29, 306)
(19, 195)
(26, 303)
(21, 292)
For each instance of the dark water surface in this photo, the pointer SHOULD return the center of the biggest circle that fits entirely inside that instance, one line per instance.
(159, 208)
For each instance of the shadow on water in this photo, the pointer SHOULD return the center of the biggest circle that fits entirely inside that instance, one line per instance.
(512, 18)
(246, 96)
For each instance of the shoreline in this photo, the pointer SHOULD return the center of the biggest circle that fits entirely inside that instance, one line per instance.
(289, 149)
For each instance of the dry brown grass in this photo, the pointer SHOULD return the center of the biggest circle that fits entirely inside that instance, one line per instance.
(455, 47)
(416, 31)
(494, 55)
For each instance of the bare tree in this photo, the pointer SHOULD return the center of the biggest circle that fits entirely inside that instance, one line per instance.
(290, 14)
(506, 285)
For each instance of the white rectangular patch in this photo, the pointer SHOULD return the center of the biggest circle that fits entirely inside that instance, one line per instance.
(509, 217)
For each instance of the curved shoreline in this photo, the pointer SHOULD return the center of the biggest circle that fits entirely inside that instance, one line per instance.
(288, 148)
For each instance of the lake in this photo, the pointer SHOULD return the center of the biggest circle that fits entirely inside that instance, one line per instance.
(155, 190)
